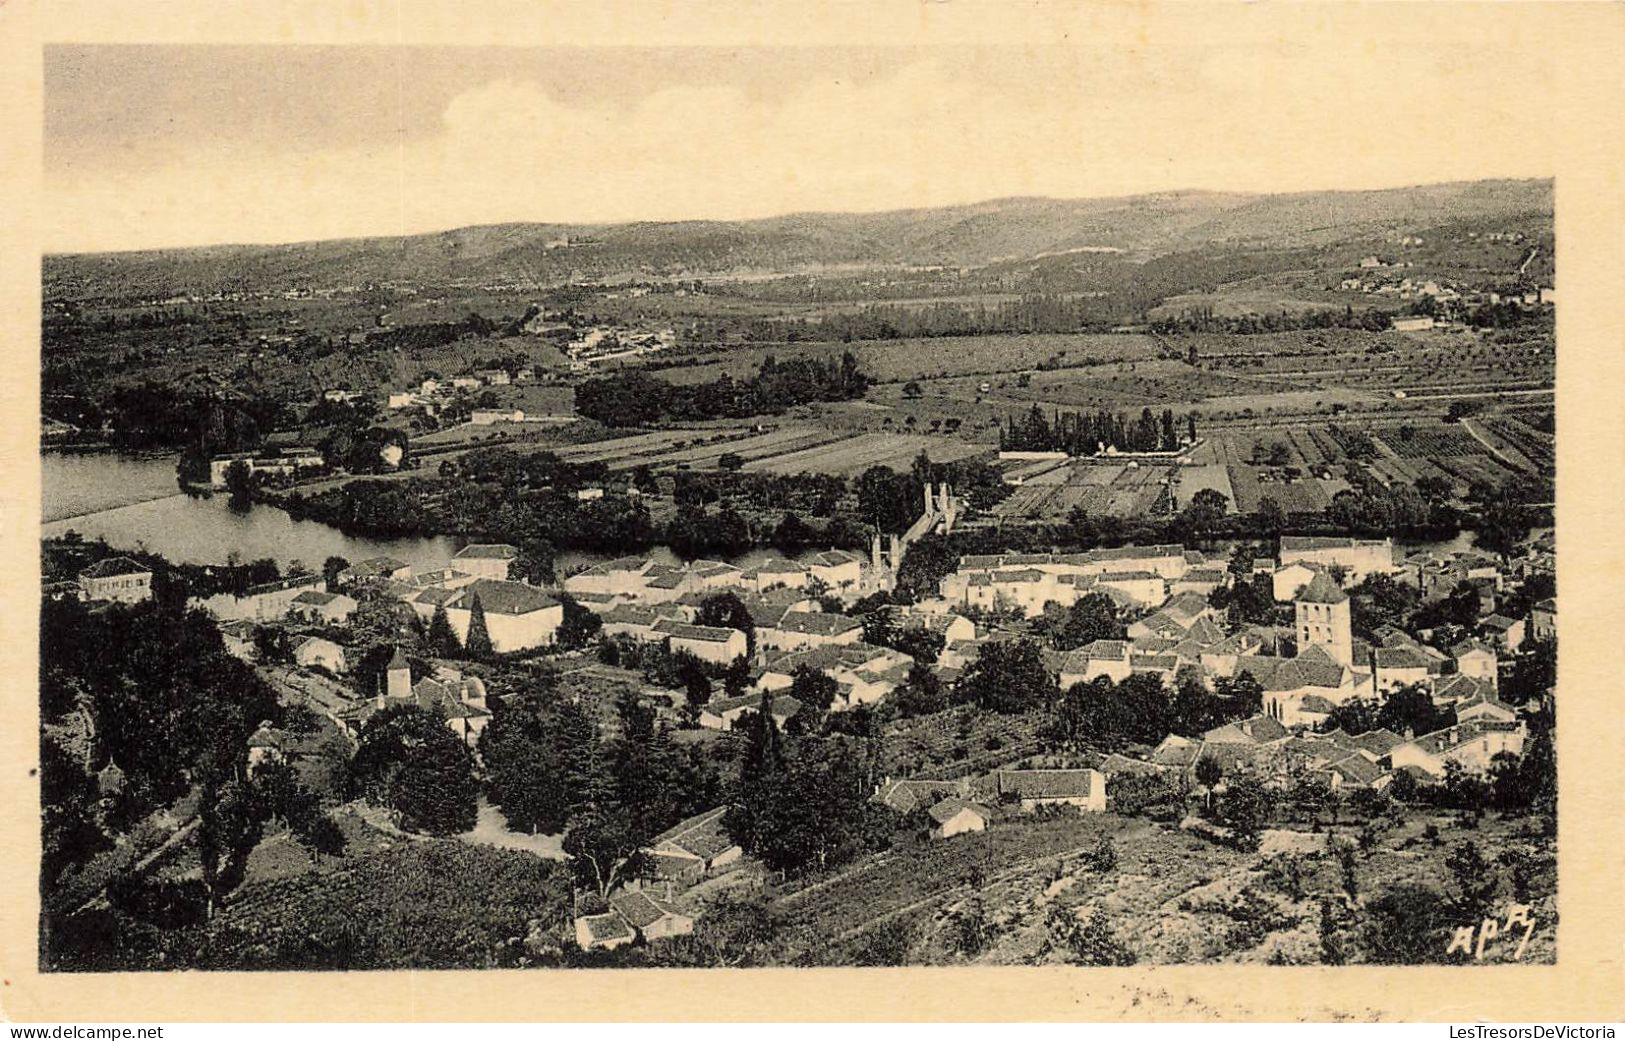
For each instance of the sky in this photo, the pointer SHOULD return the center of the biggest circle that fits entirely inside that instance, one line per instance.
(163, 145)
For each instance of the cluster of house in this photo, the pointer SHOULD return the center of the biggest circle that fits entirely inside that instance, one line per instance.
(448, 693)
(969, 804)
(434, 394)
(606, 343)
(284, 462)
(1263, 747)
(1440, 292)
(688, 852)
(652, 602)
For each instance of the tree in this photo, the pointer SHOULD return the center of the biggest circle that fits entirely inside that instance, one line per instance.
(1093, 617)
(1271, 517)
(240, 482)
(409, 761)
(725, 610)
(695, 680)
(1089, 941)
(442, 638)
(535, 563)
(814, 687)
(912, 390)
(1205, 510)
(478, 644)
(1008, 676)
(1411, 709)
(731, 461)
(1244, 809)
(921, 693)
(1208, 774)
(1476, 881)
(925, 563)
(604, 851)
(331, 568)
(1407, 925)
(579, 625)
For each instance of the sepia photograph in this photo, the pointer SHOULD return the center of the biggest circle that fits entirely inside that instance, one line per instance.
(557, 507)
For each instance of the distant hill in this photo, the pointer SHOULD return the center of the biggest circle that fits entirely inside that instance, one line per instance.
(1141, 227)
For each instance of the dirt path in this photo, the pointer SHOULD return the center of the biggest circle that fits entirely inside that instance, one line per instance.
(1523, 466)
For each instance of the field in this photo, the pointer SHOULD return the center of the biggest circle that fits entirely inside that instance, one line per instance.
(851, 456)
(1117, 489)
(897, 361)
(1170, 897)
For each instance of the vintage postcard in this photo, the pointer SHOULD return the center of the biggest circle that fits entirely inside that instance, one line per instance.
(1075, 498)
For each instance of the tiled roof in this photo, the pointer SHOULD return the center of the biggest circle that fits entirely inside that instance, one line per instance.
(685, 631)
(817, 623)
(640, 909)
(1047, 784)
(1377, 742)
(1322, 590)
(948, 809)
(512, 598)
(113, 567)
(607, 926)
(487, 551)
(701, 835)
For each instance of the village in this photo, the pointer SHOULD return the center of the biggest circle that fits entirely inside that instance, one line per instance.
(1305, 677)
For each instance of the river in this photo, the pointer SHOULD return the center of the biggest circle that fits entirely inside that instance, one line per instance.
(134, 503)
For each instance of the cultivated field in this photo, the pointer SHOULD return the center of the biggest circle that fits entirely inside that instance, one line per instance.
(851, 456)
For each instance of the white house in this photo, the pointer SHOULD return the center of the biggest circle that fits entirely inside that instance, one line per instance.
(1085, 789)
(118, 579)
(1288, 579)
(315, 652)
(957, 817)
(324, 608)
(519, 617)
(1476, 660)
(1472, 744)
(799, 630)
(486, 560)
(718, 645)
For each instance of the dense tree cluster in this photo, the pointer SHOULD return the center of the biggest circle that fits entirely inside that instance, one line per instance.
(1090, 433)
(635, 398)
(803, 802)
(1207, 320)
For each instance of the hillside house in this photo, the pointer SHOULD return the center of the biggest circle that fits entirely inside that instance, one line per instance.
(722, 714)
(838, 569)
(651, 917)
(493, 560)
(316, 652)
(1477, 660)
(694, 848)
(519, 617)
(375, 569)
(322, 608)
(1471, 744)
(715, 644)
(1359, 557)
(1503, 632)
(1288, 579)
(116, 579)
(954, 816)
(269, 602)
(1085, 789)
(1108, 658)
(1543, 620)
(800, 630)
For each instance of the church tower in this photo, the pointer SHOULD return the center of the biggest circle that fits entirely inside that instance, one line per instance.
(1323, 619)
(398, 682)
